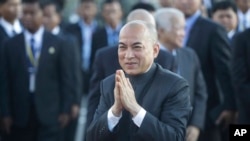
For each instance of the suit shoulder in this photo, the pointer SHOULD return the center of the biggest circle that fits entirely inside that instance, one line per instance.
(108, 82)
(167, 76)
(243, 35)
(106, 50)
(71, 27)
(99, 31)
(188, 51)
(209, 24)
(15, 39)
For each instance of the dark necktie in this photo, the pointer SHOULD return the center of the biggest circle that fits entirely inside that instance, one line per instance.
(32, 45)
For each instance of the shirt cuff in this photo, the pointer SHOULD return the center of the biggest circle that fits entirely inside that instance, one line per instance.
(139, 117)
(112, 120)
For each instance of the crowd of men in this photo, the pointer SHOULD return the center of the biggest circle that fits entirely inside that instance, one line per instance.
(178, 72)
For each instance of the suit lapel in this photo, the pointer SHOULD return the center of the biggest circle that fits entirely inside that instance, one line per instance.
(21, 50)
(195, 30)
(45, 46)
(3, 31)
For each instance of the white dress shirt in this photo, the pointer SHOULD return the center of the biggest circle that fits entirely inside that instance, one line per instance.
(55, 30)
(244, 20)
(87, 32)
(113, 120)
(9, 28)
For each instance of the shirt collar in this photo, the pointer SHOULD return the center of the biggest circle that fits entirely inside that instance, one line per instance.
(83, 24)
(9, 28)
(164, 48)
(192, 19)
(230, 34)
(38, 36)
(111, 30)
(55, 30)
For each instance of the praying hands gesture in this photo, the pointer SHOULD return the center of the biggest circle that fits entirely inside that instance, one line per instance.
(124, 96)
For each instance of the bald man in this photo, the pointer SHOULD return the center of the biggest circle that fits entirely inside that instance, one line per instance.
(142, 101)
(106, 63)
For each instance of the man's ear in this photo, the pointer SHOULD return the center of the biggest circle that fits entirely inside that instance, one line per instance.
(156, 49)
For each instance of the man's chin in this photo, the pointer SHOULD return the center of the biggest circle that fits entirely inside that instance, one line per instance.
(130, 72)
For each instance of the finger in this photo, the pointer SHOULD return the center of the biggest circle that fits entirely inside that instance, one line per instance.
(187, 135)
(219, 119)
(129, 83)
(123, 78)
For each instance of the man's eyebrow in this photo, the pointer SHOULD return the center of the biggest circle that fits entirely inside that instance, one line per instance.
(137, 43)
(121, 43)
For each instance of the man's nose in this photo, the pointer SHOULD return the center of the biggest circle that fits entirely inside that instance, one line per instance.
(129, 54)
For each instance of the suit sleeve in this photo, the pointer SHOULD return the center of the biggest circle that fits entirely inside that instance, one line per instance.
(66, 72)
(98, 129)
(4, 78)
(76, 60)
(200, 96)
(221, 58)
(94, 92)
(171, 126)
(240, 73)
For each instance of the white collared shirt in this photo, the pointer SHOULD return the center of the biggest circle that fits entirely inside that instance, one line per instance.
(113, 120)
(38, 38)
(230, 34)
(9, 28)
(87, 32)
(55, 30)
(244, 20)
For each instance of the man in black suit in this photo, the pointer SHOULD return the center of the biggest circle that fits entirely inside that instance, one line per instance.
(108, 34)
(83, 32)
(9, 23)
(170, 26)
(241, 74)
(108, 55)
(52, 20)
(146, 102)
(225, 13)
(38, 89)
(211, 44)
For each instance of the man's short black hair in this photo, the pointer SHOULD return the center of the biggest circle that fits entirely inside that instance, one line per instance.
(142, 5)
(223, 5)
(54, 3)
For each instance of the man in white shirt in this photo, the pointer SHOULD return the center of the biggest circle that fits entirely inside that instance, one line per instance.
(243, 14)
(9, 23)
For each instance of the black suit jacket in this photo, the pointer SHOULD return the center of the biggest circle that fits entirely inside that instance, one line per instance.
(76, 31)
(189, 68)
(106, 63)
(211, 44)
(241, 74)
(166, 116)
(3, 36)
(76, 62)
(53, 81)
(99, 40)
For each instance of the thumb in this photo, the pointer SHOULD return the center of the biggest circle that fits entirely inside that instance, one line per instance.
(219, 119)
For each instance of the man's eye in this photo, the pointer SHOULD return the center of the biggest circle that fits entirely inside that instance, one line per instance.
(122, 47)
